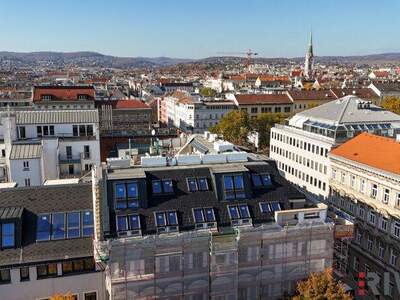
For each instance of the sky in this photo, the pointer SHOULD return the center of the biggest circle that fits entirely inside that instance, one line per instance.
(202, 28)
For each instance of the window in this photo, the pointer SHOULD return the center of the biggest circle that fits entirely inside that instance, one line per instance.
(343, 177)
(58, 226)
(75, 130)
(164, 186)
(384, 223)
(239, 214)
(48, 270)
(90, 296)
(27, 182)
(369, 243)
(362, 185)
(396, 229)
(24, 273)
(126, 195)
(393, 258)
(352, 181)
(398, 200)
(265, 207)
(234, 187)
(361, 212)
(43, 228)
(197, 184)
(261, 180)
(5, 276)
(386, 196)
(204, 215)
(87, 223)
(374, 190)
(73, 222)
(128, 222)
(78, 266)
(358, 237)
(372, 217)
(381, 250)
(26, 165)
(21, 132)
(7, 235)
(166, 221)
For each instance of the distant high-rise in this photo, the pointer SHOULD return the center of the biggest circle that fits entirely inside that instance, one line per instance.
(309, 62)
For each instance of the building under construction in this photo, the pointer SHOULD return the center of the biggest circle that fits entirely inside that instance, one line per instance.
(206, 226)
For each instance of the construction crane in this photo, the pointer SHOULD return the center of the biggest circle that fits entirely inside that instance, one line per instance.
(249, 54)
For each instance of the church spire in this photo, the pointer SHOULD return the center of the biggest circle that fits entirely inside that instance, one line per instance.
(309, 61)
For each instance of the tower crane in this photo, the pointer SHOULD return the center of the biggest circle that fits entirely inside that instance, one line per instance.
(249, 55)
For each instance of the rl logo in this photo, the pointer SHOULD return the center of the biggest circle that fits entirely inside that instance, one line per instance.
(372, 281)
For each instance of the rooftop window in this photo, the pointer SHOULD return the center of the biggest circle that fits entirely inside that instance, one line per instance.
(68, 225)
(164, 186)
(197, 184)
(129, 223)
(166, 221)
(7, 235)
(234, 187)
(261, 180)
(204, 217)
(126, 195)
(239, 214)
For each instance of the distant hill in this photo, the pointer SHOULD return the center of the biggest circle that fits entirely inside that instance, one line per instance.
(94, 59)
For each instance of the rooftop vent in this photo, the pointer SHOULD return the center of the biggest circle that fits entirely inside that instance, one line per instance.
(364, 105)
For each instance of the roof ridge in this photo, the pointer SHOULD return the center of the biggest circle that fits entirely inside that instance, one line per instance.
(344, 108)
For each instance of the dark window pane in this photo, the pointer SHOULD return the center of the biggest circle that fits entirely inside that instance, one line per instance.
(122, 224)
(43, 228)
(256, 180)
(24, 273)
(45, 130)
(192, 184)
(275, 206)
(89, 130)
(198, 215)
(244, 211)
(90, 296)
(160, 219)
(203, 186)
(120, 191)
(41, 270)
(172, 220)
(228, 183)
(209, 213)
(5, 275)
(82, 130)
(78, 265)
(133, 203)
(121, 204)
(238, 182)
(156, 186)
(87, 222)
(134, 221)
(167, 186)
(73, 224)
(39, 131)
(132, 190)
(265, 207)
(58, 226)
(8, 235)
(51, 130)
(75, 130)
(240, 195)
(266, 180)
(233, 212)
(67, 267)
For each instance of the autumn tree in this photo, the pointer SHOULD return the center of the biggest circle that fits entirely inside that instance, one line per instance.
(392, 104)
(207, 92)
(67, 296)
(234, 126)
(263, 124)
(321, 286)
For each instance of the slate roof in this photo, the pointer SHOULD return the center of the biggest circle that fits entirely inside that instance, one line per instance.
(345, 110)
(45, 199)
(183, 201)
(56, 116)
(26, 151)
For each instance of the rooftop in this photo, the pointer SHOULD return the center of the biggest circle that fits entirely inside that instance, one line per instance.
(246, 99)
(26, 151)
(56, 116)
(62, 93)
(375, 151)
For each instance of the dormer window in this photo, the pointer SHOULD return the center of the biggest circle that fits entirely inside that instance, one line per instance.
(234, 187)
(128, 225)
(239, 214)
(126, 195)
(197, 184)
(166, 221)
(164, 186)
(204, 218)
(7, 235)
(269, 206)
(261, 180)
(82, 97)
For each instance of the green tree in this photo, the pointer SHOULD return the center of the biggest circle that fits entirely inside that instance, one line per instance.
(321, 286)
(392, 104)
(207, 92)
(234, 126)
(263, 124)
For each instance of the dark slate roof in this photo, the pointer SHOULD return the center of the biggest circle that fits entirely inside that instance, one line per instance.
(184, 201)
(44, 199)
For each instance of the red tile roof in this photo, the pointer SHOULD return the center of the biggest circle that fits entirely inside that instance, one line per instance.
(375, 151)
(312, 95)
(248, 99)
(63, 93)
(364, 93)
(381, 73)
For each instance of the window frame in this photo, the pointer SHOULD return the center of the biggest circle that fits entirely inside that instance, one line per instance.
(13, 235)
(234, 193)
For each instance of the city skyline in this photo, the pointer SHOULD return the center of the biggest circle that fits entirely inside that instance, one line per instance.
(185, 30)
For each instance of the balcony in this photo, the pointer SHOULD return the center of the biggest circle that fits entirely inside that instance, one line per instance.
(70, 159)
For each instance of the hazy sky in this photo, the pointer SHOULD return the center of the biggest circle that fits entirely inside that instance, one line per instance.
(194, 29)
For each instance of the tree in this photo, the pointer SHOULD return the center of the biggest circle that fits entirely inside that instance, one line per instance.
(207, 92)
(234, 126)
(321, 286)
(263, 124)
(67, 296)
(392, 104)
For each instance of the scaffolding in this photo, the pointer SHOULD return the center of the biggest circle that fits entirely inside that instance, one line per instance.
(263, 262)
